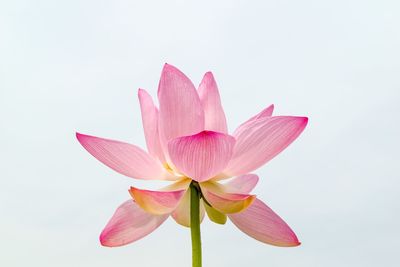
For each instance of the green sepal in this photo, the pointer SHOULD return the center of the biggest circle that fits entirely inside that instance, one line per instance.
(214, 214)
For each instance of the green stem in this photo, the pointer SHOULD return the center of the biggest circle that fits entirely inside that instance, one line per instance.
(195, 224)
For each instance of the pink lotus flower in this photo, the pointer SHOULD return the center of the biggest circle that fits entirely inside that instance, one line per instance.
(188, 143)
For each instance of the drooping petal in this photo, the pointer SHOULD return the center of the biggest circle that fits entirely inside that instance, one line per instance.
(263, 224)
(157, 202)
(201, 156)
(150, 125)
(261, 140)
(215, 215)
(128, 224)
(242, 184)
(181, 112)
(209, 96)
(225, 202)
(182, 213)
(124, 158)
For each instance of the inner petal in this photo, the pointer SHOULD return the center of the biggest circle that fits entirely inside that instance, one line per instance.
(203, 155)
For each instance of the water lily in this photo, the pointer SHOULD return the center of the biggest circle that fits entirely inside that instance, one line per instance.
(210, 171)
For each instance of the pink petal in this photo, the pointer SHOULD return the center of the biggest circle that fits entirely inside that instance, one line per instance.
(157, 202)
(182, 213)
(150, 125)
(124, 158)
(209, 96)
(129, 223)
(181, 112)
(242, 184)
(201, 156)
(225, 202)
(261, 223)
(261, 140)
(267, 112)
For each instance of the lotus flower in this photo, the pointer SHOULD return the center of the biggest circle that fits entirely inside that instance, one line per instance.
(188, 144)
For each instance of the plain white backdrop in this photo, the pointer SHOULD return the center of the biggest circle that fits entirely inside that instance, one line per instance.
(69, 66)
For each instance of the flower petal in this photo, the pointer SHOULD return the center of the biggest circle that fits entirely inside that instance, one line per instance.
(261, 223)
(225, 202)
(124, 158)
(261, 140)
(201, 156)
(267, 112)
(157, 202)
(181, 112)
(209, 96)
(215, 215)
(182, 213)
(242, 184)
(150, 125)
(128, 224)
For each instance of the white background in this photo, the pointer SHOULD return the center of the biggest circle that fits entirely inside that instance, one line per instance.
(69, 66)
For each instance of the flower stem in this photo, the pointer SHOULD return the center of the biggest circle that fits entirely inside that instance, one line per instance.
(195, 224)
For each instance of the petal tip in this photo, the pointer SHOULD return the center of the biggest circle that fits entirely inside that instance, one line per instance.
(104, 240)
(80, 136)
(209, 74)
(295, 243)
(131, 192)
(256, 178)
(303, 121)
(169, 67)
(141, 91)
(292, 241)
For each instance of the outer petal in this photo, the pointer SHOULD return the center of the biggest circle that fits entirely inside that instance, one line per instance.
(124, 158)
(181, 112)
(261, 140)
(203, 155)
(267, 112)
(150, 125)
(261, 223)
(242, 184)
(157, 202)
(182, 213)
(214, 114)
(225, 202)
(129, 223)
